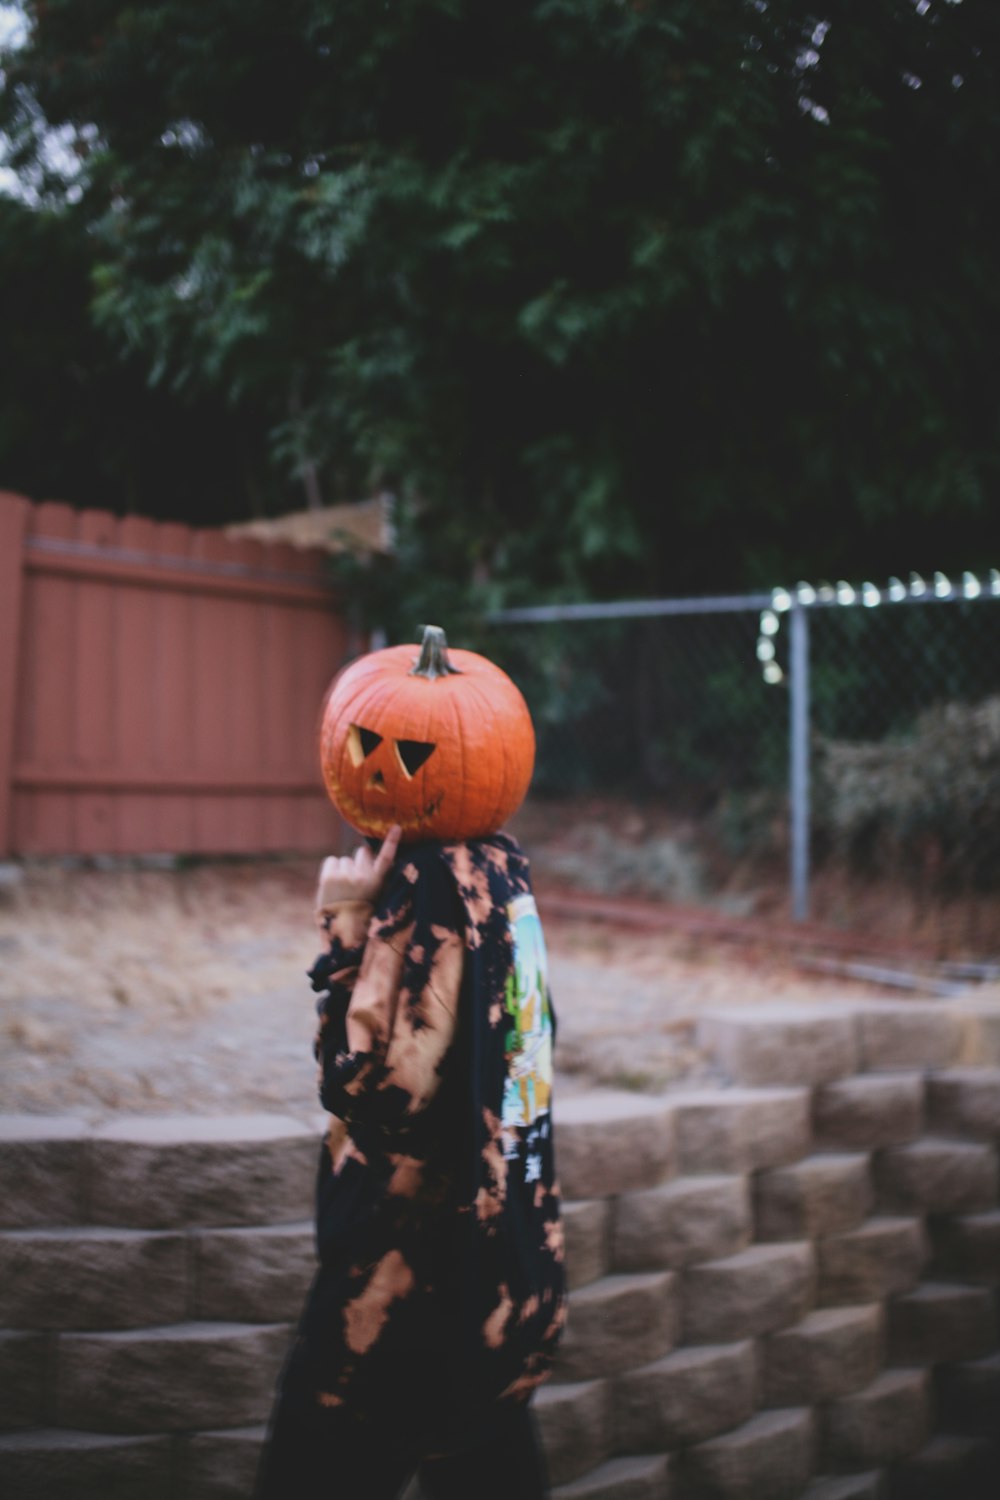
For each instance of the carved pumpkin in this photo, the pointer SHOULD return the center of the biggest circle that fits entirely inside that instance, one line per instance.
(440, 743)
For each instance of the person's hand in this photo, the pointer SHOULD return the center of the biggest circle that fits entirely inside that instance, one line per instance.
(357, 877)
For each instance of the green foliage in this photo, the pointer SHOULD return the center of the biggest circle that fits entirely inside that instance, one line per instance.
(616, 297)
(77, 421)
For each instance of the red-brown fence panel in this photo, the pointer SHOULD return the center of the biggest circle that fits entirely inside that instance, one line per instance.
(160, 687)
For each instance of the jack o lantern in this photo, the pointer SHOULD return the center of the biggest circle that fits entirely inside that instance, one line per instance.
(440, 743)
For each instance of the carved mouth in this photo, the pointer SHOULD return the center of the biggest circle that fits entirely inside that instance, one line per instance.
(381, 822)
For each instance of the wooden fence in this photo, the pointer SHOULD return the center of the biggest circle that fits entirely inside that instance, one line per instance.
(159, 687)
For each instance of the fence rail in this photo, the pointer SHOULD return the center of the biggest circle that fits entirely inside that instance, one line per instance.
(866, 724)
(159, 687)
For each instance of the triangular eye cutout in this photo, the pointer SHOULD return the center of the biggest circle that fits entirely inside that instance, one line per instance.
(412, 754)
(361, 742)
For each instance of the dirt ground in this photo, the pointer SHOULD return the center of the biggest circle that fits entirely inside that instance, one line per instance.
(612, 845)
(183, 990)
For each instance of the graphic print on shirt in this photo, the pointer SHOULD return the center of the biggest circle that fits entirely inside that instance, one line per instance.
(528, 1089)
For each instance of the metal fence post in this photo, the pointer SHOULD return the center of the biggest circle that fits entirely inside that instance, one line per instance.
(798, 685)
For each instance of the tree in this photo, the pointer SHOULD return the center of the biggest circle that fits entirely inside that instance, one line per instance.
(79, 422)
(618, 297)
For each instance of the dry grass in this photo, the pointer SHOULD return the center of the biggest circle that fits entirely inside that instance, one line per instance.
(183, 990)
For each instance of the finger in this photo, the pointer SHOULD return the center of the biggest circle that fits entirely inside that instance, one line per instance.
(331, 876)
(387, 853)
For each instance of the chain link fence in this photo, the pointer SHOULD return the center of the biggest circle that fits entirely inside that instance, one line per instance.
(832, 753)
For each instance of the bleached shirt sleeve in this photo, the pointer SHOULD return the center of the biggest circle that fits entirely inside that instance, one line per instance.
(389, 1011)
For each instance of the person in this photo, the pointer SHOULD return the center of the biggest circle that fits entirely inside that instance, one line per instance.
(440, 1293)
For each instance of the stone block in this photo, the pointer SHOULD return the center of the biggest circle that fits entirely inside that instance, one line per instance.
(253, 1275)
(751, 1293)
(24, 1362)
(57, 1465)
(831, 1352)
(965, 1102)
(769, 1455)
(868, 1111)
(741, 1130)
(641, 1477)
(613, 1142)
(981, 1037)
(187, 1376)
(968, 1395)
(967, 1245)
(219, 1465)
(587, 1230)
(869, 1486)
(881, 1258)
(43, 1177)
(819, 1195)
(780, 1043)
(159, 1173)
(937, 1177)
(938, 1323)
(92, 1278)
(573, 1423)
(888, 1419)
(949, 1464)
(686, 1397)
(617, 1322)
(909, 1034)
(684, 1221)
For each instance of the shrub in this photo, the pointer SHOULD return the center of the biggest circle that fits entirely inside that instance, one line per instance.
(927, 801)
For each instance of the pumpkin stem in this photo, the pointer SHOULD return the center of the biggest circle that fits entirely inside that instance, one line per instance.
(433, 660)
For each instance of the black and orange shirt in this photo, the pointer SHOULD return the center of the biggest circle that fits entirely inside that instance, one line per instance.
(438, 1222)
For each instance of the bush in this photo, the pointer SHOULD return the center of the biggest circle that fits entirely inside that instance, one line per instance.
(927, 801)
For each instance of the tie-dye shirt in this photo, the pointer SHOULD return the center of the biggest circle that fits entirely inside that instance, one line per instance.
(441, 1285)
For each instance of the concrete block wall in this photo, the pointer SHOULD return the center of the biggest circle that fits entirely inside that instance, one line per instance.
(785, 1287)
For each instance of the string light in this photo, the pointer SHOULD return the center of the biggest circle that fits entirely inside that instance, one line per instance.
(845, 594)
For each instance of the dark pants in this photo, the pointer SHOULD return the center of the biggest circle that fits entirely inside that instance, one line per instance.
(328, 1455)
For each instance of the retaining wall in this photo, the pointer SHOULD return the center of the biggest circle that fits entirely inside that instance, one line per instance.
(785, 1287)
